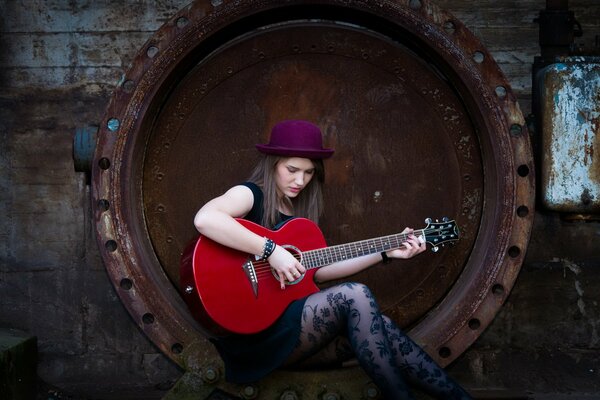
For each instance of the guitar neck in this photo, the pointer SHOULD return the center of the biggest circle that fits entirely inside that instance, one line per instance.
(328, 255)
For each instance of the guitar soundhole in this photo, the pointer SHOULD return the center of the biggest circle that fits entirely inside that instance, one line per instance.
(298, 255)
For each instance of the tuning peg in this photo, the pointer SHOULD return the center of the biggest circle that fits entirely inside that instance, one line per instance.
(428, 220)
(445, 219)
(435, 249)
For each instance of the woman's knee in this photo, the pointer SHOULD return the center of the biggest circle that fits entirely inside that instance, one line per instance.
(356, 292)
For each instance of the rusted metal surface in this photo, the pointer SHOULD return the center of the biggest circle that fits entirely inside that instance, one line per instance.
(371, 117)
(423, 122)
(569, 93)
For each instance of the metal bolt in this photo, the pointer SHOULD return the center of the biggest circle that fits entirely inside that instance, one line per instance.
(331, 396)
(249, 392)
(210, 375)
(371, 391)
(113, 124)
(377, 195)
(289, 395)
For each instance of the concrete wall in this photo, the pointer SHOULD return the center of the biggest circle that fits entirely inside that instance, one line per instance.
(60, 61)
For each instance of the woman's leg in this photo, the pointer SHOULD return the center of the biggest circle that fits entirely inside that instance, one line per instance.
(350, 310)
(419, 368)
(344, 321)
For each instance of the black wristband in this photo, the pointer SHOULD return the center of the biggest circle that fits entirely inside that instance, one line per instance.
(384, 258)
(268, 249)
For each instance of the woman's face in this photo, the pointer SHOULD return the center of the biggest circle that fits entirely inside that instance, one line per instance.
(292, 175)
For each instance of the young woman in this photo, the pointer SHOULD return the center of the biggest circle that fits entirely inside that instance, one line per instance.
(336, 324)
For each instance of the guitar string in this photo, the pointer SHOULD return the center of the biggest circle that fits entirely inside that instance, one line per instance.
(262, 268)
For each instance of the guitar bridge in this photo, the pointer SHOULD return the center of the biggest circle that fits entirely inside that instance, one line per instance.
(248, 268)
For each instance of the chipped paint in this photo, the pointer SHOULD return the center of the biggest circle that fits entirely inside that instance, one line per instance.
(570, 111)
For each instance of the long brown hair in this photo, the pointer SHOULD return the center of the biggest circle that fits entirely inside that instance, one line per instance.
(308, 203)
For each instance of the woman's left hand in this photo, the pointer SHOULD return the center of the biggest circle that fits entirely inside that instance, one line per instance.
(413, 246)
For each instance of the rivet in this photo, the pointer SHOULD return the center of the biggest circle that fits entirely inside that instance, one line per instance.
(152, 51)
(210, 375)
(128, 86)
(501, 91)
(182, 22)
(415, 4)
(371, 391)
(449, 27)
(331, 396)
(249, 392)
(289, 395)
(113, 124)
(516, 130)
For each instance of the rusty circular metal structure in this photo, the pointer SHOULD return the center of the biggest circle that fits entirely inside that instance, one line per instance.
(422, 119)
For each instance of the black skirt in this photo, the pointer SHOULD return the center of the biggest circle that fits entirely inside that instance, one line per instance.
(248, 358)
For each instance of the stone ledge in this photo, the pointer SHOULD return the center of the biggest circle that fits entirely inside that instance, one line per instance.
(18, 360)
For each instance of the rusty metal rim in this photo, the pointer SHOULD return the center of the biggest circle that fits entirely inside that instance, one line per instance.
(137, 275)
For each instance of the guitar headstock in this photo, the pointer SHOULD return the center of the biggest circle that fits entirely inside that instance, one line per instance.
(439, 233)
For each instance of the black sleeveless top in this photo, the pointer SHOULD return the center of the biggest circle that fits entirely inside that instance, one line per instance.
(249, 358)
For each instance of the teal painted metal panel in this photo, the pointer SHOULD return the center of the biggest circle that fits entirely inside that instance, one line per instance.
(569, 98)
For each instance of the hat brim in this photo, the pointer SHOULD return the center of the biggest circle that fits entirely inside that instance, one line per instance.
(294, 152)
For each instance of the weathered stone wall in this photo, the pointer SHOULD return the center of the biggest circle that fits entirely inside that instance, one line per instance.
(60, 61)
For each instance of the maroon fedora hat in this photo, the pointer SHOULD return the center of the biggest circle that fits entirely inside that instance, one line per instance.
(296, 138)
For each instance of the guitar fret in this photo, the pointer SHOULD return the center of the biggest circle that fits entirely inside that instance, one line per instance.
(329, 255)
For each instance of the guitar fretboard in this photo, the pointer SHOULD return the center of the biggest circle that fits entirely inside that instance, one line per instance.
(328, 255)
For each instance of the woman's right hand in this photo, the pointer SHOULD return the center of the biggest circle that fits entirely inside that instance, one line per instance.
(286, 265)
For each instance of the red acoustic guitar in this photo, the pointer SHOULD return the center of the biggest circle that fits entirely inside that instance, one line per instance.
(229, 291)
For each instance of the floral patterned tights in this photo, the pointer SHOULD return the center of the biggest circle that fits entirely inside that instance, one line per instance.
(344, 322)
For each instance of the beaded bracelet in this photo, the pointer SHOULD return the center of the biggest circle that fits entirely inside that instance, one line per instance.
(384, 258)
(268, 249)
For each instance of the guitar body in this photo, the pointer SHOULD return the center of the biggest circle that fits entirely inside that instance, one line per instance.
(220, 293)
